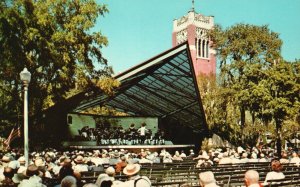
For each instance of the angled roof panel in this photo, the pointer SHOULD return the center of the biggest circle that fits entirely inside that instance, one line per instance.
(164, 86)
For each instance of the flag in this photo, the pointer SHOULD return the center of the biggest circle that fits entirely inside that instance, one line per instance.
(15, 133)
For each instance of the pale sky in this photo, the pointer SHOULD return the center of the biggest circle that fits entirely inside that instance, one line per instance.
(140, 29)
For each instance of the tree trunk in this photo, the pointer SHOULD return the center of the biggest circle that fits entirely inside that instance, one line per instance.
(242, 110)
(278, 137)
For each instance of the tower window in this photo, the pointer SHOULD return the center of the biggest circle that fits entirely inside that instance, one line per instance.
(207, 48)
(199, 48)
(202, 48)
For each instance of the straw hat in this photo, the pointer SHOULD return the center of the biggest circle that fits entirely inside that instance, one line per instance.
(39, 162)
(79, 159)
(131, 169)
(32, 170)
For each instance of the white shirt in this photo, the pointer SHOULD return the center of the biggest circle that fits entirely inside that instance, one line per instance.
(274, 175)
(142, 131)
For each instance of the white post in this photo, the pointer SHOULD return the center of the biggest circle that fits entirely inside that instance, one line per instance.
(26, 147)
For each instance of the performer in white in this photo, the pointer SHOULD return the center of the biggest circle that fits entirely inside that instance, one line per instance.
(142, 132)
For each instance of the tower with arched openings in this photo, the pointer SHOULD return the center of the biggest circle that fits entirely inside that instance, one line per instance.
(193, 28)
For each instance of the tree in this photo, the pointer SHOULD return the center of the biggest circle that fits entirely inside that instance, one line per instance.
(244, 52)
(53, 40)
(281, 99)
(239, 47)
(220, 112)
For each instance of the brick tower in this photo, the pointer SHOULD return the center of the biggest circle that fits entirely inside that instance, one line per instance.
(193, 28)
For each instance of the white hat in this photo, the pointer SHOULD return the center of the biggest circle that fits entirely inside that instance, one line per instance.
(79, 159)
(110, 171)
(131, 169)
(39, 162)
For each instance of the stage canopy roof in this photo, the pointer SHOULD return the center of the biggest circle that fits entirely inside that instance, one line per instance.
(164, 86)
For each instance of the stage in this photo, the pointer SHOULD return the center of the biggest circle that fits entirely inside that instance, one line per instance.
(92, 145)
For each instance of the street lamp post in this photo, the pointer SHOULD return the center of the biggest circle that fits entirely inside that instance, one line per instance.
(25, 76)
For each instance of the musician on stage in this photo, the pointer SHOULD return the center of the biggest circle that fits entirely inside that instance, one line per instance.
(142, 132)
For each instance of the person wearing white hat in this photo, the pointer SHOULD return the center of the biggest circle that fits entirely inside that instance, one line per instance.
(135, 180)
(40, 163)
(80, 166)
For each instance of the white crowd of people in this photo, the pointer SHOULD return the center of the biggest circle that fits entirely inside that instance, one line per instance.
(66, 167)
